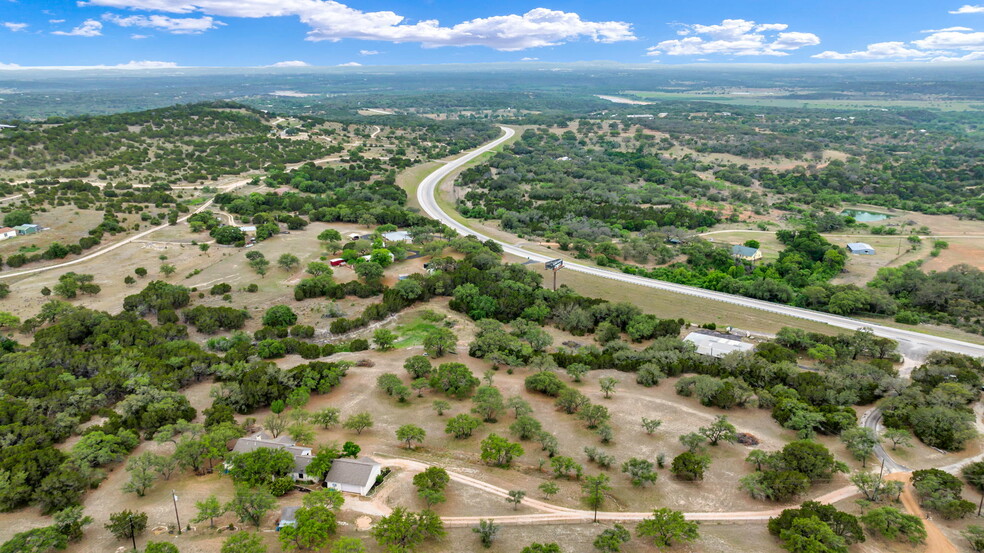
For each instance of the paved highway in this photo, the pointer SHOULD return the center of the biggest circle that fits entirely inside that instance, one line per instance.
(913, 344)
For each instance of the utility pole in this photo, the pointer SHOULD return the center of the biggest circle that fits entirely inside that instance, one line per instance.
(174, 496)
(133, 534)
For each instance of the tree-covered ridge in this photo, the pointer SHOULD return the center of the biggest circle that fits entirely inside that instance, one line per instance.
(80, 365)
(546, 184)
(188, 143)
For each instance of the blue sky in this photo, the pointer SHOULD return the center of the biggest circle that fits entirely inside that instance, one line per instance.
(239, 33)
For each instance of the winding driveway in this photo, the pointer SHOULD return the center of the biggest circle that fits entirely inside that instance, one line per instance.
(915, 343)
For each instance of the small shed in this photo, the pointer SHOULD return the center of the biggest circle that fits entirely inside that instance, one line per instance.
(353, 236)
(7, 232)
(288, 517)
(337, 262)
(860, 248)
(353, 475)
(248, 228)
(746, 253)
(27, 229)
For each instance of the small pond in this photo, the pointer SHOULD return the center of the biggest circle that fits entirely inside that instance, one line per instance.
(865, 216)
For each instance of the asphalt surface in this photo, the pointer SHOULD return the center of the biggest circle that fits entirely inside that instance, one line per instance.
(912, 344)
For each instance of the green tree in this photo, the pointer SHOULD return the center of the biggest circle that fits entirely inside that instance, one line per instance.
(640, 471)
(594, 489)
(369, 271)
(260, 466)
(71, 522)
(693, 441)
(461, 426)
(541, 548)
(651, 425)
(548, 489)
(167, 269)
(486, 531)
(243, 542)
(526, 427)
(251, 504)
(418, 366)
(607, 384)
(404, 531)
(515, 497)
(488, 403)
(127, 525)
(430, 484)
(288, 261)
(208, 509)
(441, 406)
(143, 472)
(279, 316)
(894, 524)
(690, 466)
(410, 433)
(860, 441)
(384, 339)
(326, 417)
(577, 371)
(898, 437)
(358, 422)
(348, 545)
(809, 535)
(312, 530)
(499, 451)
(161, 546)
(667, 527)
(37, 540)
(720, 430)
(439, 341)
(975, 535)
(610, 540)
(260, 265)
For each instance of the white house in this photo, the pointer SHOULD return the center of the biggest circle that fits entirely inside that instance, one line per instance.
(7, 232)
(716, 345)
(288, 517)
(302, 455)
(353, 475)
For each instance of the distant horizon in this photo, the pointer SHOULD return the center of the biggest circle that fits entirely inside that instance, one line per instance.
(170, 34)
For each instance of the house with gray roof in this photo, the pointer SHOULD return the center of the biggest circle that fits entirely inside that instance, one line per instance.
(746, 253)
(302, 454)
(353, 475)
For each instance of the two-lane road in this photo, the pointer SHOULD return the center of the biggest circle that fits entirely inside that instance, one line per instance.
(915, 344)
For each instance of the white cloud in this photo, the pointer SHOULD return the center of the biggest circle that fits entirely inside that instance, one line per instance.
(947, 29)
(967, 8)
(877, 51)
(368, 52)
(737, 37)
(56, 21)
(88, 28)
(176, 26)
(529, 59)
(131, 65)
(941, 45)
(334, 21)
(952, 40)
(350, 64)
(135, 36)
(290, 63)
(14, 27)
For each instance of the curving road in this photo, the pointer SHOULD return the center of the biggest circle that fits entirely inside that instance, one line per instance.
(915, 344)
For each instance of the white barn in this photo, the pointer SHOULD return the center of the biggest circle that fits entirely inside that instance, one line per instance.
(353, 475)
(7, 232)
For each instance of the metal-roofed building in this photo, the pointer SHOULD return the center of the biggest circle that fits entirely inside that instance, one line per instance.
(353, 475)
(302, 455)
(715, 345)
(860, 248)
